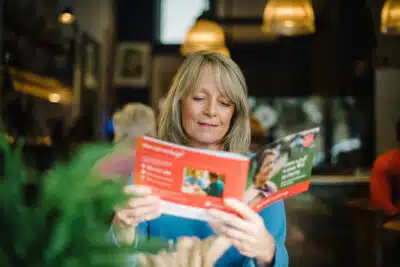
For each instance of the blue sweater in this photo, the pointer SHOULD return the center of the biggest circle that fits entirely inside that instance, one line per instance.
(168, 227)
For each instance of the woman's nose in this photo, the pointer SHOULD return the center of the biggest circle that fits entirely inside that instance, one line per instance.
(211, 108)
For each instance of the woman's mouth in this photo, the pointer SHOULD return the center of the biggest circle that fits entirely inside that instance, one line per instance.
(204, 124)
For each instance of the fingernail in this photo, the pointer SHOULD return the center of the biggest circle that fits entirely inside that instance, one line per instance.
(229, 201)
(144, 190)
(147, 190)
(153, 198)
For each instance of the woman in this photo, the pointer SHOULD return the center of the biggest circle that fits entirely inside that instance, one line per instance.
(262, 185)
(207, 108)
(193, 183)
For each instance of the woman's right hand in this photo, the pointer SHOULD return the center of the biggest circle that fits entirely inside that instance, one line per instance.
(143, 206)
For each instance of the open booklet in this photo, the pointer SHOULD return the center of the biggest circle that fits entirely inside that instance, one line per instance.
(189, 181)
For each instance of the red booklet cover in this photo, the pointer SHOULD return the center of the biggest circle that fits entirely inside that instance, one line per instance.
(189, 181)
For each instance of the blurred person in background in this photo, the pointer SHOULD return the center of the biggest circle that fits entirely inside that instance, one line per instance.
(132, 121)
(385, 180)
(129, 123)
(385, 195)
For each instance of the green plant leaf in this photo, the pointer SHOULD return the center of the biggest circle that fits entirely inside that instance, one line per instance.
(65, 219)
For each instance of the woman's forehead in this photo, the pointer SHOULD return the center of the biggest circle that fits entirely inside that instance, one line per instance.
(209, 80)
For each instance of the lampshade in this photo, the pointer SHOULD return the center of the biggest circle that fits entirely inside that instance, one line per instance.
(205, 35)
(390, 17)
(288, 17)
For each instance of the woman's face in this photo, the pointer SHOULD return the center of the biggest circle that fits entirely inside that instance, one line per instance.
(268, 162)
(206, 112)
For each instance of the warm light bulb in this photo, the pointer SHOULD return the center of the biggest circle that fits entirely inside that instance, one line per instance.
(54, 98)
(66, 18)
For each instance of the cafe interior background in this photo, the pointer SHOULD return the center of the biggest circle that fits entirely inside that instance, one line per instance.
(67, 65)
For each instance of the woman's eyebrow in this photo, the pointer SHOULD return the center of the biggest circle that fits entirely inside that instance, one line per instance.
(200, 90)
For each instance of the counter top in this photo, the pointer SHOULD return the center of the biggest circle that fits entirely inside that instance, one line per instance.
(338, 179)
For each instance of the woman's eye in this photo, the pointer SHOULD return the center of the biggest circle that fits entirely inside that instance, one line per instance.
(226, 104)
(198, 98)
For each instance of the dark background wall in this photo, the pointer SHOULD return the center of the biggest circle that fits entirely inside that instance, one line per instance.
(284, 67)
(136, 21)
(336, 61)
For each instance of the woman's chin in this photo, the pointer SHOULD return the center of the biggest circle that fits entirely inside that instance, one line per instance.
(205, 141)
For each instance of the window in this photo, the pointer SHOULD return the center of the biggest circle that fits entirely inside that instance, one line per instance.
(345, 146)
(176, 18)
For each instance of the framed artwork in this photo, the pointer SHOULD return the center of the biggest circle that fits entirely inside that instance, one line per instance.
(132, 64)
(91, 63)
(90, 83)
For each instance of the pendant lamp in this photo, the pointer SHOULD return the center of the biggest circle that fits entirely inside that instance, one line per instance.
(288, 17)
(390, 17)
(205, 35)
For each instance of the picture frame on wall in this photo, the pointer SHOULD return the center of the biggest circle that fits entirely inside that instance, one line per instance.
(91, 63)
(90, 82)
(132, 64)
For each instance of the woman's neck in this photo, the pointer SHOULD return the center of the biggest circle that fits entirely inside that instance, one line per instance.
(205, 146)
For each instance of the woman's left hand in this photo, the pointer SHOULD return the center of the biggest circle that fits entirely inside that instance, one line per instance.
(247, 233)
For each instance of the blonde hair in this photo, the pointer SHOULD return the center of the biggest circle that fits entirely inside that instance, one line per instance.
(132, 121)
(233, 85)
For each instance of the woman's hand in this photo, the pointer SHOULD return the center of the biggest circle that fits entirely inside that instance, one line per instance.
(142, 207)
(248, 234)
